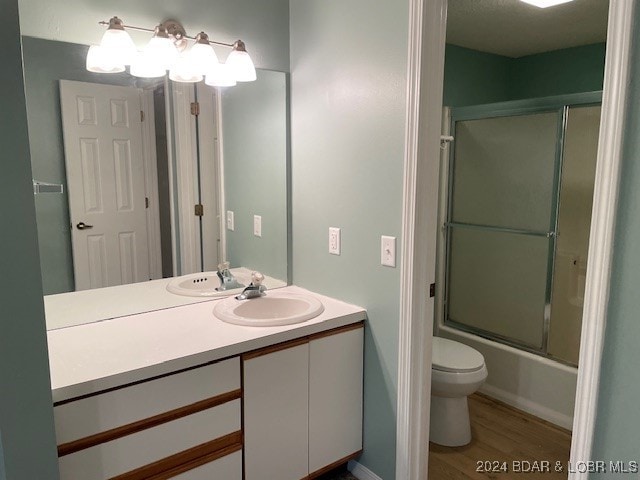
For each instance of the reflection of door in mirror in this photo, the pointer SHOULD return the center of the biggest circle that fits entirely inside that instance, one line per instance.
(47, 64)
(105, 180)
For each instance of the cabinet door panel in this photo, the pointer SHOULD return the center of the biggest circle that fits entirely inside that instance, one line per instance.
(335, 397)
(276, 409)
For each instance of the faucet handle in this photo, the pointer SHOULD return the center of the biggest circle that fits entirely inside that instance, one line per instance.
(257, 278)
(223, 266)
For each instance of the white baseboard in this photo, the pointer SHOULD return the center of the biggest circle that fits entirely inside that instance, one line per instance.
(361, 472)
(540, 411)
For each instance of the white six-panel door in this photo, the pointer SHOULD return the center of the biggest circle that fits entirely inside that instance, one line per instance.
(105, 180)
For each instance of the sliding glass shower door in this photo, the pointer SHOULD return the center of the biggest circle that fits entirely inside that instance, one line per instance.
(504, 195)
(501, 224)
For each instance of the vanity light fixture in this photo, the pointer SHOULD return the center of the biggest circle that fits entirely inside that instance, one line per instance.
(545, 3)
(220, 75)
(169, 49)
(240, 62)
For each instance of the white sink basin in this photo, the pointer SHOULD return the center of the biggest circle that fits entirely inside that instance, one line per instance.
(273, 309)
(202, 284)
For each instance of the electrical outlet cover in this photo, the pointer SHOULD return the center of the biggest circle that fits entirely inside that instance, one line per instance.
(257, 225)
(388, 251)
(230, 221)
(334, 240)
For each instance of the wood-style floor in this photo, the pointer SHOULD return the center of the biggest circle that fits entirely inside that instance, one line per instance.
(506, 435)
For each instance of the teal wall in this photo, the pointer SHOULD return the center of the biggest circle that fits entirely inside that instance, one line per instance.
(3, 471)
(348, 63)
(617, 433)
(28, 444)
(474, 78)
(262, 24)
(46, 62)
(571, 70)
(254, 128)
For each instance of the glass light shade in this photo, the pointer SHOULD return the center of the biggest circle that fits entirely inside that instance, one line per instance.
(119, 44)
(220, 75)
(185, 71)
(242, 66)
(202, 57)
(100, 60)
(161, 51)
(545, 3)
(145, 67)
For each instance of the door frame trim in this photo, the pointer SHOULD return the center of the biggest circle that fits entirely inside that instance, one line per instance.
(427, 30)
(603, 223)
(210, 184)
(186, 168)
(426, 43)
(150, 162)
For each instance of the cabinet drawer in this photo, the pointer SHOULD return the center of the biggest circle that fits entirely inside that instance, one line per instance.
(141, 449)
(100, 413)
(225, 468)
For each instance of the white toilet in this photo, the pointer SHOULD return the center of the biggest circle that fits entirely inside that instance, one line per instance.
(457, 371)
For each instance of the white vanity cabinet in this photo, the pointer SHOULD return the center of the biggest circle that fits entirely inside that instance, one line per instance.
(335, 397)
(186, 425)
(276, 409)
(303, 405)
(289, 411)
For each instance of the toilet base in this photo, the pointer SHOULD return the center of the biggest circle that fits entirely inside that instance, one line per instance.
(449, 424)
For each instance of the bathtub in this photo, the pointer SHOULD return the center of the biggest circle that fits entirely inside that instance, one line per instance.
(528, 382)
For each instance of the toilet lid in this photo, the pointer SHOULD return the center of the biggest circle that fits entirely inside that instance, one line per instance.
(450, 356)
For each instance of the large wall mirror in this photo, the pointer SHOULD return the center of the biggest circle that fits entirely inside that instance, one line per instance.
(134, 185)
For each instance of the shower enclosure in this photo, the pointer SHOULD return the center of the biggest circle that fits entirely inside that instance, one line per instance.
(519, 194)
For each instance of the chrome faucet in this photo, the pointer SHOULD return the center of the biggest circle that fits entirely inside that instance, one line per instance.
(227, 280)
(255, 288)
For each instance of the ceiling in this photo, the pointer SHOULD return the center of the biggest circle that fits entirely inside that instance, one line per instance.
(514, 29)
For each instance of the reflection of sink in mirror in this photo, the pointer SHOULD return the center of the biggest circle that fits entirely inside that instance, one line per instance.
(273, 309)
(206, 284)
(203, 284)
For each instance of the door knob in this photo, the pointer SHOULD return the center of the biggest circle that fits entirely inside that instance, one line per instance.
(83, 226)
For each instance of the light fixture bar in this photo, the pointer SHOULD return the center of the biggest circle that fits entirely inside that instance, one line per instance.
(169, 50)
(152, 30)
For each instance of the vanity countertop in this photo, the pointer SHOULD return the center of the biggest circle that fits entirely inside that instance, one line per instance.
(89, 358)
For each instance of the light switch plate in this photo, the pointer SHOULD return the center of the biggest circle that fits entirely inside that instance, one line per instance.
(257, 225)
(334, 240)
(388, 251)
(230, 221)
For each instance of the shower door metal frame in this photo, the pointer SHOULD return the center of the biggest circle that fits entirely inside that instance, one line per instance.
(560, 105)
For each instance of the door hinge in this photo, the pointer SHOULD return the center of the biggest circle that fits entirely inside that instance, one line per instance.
(199, 210)
(141, 116)
(432, 290)
(146, 202)
(195, 108)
